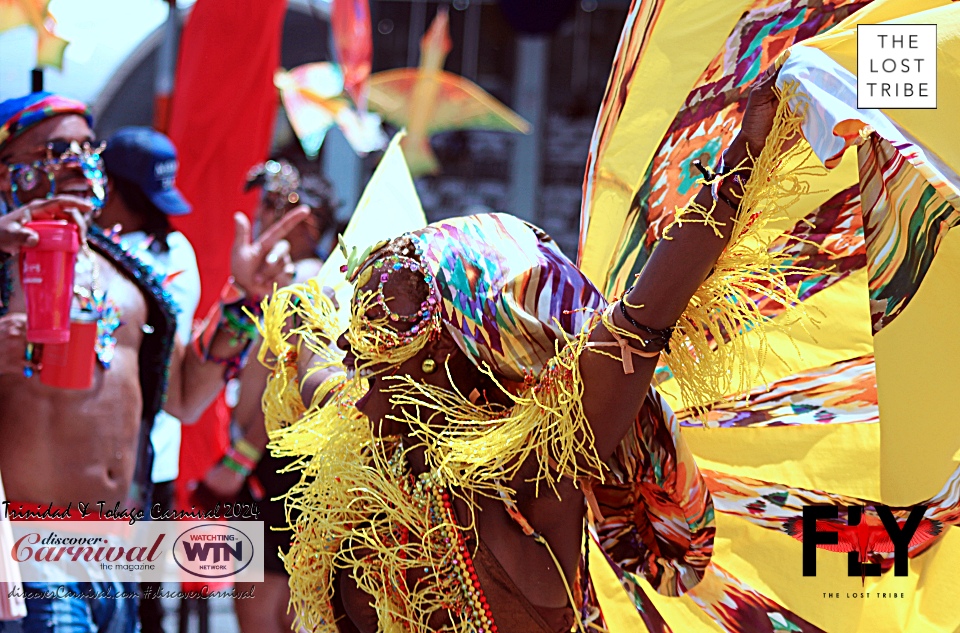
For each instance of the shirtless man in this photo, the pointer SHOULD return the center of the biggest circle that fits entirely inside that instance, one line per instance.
(61, 446)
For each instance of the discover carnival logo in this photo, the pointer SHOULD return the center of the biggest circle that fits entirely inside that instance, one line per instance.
(213, 550)
(61, 550)
(54, 548)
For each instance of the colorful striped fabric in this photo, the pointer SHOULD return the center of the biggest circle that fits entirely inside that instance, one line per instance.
(509, 294)
(16, 115)
(854, 404)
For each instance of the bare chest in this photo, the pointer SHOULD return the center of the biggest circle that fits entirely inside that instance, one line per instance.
(120, 300)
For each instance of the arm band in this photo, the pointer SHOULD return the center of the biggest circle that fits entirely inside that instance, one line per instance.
(232, 316)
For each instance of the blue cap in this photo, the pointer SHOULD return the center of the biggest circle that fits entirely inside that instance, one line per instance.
(148, 159)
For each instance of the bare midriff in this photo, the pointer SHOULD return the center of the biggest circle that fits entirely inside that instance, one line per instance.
(61, 446)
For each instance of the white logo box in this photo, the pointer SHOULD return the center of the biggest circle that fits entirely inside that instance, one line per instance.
(153, 551)
(896, 66)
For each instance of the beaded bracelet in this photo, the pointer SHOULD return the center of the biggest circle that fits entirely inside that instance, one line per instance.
(235, 320)
(242, 457)
(659, 339)
(238, 463)
(716, 178)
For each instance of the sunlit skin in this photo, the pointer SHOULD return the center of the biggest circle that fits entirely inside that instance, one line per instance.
(47, 432)
(611, 401)
(65, 446)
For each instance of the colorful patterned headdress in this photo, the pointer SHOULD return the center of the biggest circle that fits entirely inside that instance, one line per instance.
(507, 292)
(20, 113)
(499, 286)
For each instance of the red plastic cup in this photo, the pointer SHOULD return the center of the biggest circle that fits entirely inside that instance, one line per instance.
(46, 274)
(71, 365)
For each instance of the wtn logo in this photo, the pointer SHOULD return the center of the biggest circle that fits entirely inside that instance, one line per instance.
(213, 551)
(861, 535)
(221, 551)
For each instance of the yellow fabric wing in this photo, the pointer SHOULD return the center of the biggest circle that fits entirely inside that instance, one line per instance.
(460, 103)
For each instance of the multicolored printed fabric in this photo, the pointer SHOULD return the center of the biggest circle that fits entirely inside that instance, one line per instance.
(906, 222)
(509, 294)
(511, 299)
(842, 393)
(654, 518)
(854, 403)
(16, 115)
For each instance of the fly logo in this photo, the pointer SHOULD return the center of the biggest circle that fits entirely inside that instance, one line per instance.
(862, 536)
(213, 551)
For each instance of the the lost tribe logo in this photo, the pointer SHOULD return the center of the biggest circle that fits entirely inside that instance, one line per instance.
(896, 65)
(213, 551)
(860, 536)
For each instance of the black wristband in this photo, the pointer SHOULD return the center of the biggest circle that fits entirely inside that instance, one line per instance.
(710, 176)
(659, 339)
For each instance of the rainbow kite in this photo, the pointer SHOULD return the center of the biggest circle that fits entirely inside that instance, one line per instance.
(427, 100)
(314, 99)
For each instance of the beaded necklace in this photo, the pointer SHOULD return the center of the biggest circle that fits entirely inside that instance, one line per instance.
(433, 543)
(459, 585)
(94, 299)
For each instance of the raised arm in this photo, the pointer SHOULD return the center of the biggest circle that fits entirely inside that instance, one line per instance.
(225, 478)
(197, 375)
(678, 265)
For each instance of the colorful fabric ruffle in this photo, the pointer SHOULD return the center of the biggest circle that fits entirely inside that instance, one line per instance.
(852, 402)
(18, 114)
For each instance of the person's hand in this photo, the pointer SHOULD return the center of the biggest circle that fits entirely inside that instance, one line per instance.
(257, 266)
(14, 234)
(222, 482)
(761, 109)
(13, 343)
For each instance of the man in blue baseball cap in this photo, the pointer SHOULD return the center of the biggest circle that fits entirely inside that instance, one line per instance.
(141, 167)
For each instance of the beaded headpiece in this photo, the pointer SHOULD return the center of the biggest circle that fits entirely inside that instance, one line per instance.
(502, 289)
(279, 178)
(383, 340)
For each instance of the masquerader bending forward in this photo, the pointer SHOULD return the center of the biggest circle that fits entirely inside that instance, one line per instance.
(491, 401)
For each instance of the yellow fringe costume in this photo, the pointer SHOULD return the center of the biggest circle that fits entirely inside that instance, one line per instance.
(499, 285)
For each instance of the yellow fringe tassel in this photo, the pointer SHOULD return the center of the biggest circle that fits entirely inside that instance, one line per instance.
(302, 313)
(351, 497)
(478, 447)
(708, 342)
